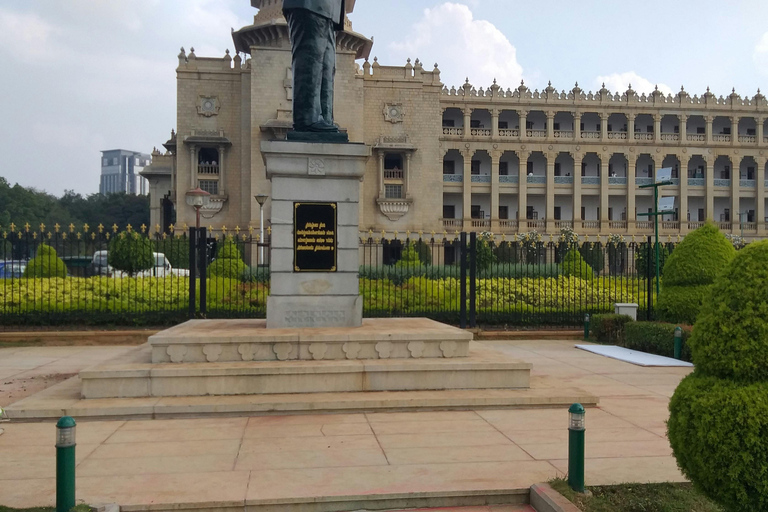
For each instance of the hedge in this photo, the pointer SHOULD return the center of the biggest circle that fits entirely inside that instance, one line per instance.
(656, 338)
(400, 274)
(609, 328)
(46, 264)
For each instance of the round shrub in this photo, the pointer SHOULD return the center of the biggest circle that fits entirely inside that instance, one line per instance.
(46, 263)
(699, 258)
(574, 265)
(681, 304)
(131, 253)
(730, 339)
(409, 257)
(717, 429)
(228, 263)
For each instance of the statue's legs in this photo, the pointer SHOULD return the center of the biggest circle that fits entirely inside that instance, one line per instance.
(310, 41)
(329, 74)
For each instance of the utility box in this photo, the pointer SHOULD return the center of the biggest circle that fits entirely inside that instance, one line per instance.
(626, 308)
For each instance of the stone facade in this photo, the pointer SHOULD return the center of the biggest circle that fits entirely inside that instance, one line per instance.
(449, 159)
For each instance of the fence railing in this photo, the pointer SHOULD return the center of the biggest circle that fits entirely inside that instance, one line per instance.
(105, 277)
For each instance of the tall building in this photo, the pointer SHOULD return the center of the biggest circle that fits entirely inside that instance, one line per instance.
(120, 170)
(469, 158)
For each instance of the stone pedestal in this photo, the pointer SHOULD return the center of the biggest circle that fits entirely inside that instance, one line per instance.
(326, 175)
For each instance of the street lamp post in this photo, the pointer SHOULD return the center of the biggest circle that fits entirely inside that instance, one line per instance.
(197, 198)
(261, 199)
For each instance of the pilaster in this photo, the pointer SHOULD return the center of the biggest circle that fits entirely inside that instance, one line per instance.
(550, 199)
(710, 120)
(523, 121)
(657, 128)
(734, 130)
(631, 187)
(683, 131)
(495, 157)
(577, 126)
(604, 193)
(760, 194)
(683, 191)
(522, 192)
(710, 180)
(630, 127)
(604, 126)
(550, 124)
(467, 122)
(466, 209)
(495, 123)
(735, 193)
(577, 158)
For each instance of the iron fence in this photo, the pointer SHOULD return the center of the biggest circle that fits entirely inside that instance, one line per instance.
(106, 277)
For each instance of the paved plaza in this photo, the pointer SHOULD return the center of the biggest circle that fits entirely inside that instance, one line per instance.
(276, 459)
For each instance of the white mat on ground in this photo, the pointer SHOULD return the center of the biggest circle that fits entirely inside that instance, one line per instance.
(632, 356)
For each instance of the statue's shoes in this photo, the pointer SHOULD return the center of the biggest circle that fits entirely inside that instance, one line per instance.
(320, 126)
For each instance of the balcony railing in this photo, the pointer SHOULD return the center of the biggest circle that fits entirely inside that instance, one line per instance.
(481, 223)
(643, 136)
(536, 224)
(748, 139)
(536, 134)
(540, 180)
(722, 183)
(721, 138)
(480, 132)
(508, 133)
(747, 183)
(643, 181)
(749, 226)
(453, 178)
(615, 180)
(644, 224)
(508, 224)
(393, 174)
(481, 178)
(724, 226)
(696, 182)
(590, 135)
(560, 224)
(670, 137)
(695, 225)
(670, 225)
(696, 137)
(617, 224)
(563, 180)
(508, 179)
(564, 134)
(590, 180)
(453, 131)
(453, 224)
(207, 169)
(590, 224)
(617, 135)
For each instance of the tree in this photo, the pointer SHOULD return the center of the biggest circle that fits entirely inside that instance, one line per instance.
(46, 263)
(719, 413)
(228, 262)
(574, 265)
(131, 253)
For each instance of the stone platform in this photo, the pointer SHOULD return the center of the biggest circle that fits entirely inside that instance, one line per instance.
(218, 341)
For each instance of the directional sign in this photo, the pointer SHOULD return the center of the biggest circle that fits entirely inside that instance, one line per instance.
(664, 174)
(666, 205)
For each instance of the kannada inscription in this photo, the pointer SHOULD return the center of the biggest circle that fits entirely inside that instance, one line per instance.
(314, 237)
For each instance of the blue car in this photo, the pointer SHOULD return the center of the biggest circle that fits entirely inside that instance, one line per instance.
(12, 269)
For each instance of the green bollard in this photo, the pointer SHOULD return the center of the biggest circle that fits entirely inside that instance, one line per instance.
(65, 464)
(576, 427)
(678, 342)
(586, 327)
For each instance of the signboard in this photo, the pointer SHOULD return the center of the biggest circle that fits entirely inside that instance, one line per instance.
(664, 174)
(666, 205)
(314, 237)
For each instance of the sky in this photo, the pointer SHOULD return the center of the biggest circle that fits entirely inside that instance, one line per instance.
(82, 76)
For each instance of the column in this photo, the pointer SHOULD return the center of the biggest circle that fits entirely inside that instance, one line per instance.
(684, 132)
(495, 123)
(735, 193)
(760, 194)
(222, 173)
(381, 175)
(683, 190)
(631, 127)
(631, 185)
(523, 120)
(710, 180)
(550, 124)
(192, 167)
(657, 128)
(522, 192)
(604, 193)
(467, 122)
(550, 199)
(760, 121)
(604, 126)
(407, 175)
(734, 130)
(710, 121)
(577, 158)
(467, 195)
(495, 157)
(577, 129)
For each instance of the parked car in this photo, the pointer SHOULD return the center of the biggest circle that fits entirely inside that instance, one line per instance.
(99, 265)
(163, 268)
(12, 269)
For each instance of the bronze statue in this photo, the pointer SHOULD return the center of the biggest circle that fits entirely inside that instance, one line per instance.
(313, 25)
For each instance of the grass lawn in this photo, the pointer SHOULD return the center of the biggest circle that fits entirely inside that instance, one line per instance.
(666, 497)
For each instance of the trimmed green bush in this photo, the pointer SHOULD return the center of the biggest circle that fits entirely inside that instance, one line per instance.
(642, 260)
(46, 263)
(609, 328)
(574, 265)
(228, 263)
(131, 253)
(690, 270)
(730, 339)
(594, 256)
(255, 275)
(409, 257)
(656, 338)
(717, 429)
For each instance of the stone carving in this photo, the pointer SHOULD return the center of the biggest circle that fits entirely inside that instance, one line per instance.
(247, 351)
(316, 286)
(212, 352)
(318, 350)
(448, 348)
(316, 167)
(384, 349)
(283, 351)
(314, 318)
(393, 112)
(351, 350)
(177, 353)
(208, 106)
(416, 348)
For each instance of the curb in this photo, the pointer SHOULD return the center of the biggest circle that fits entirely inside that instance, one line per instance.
(545, 499)
(77, 338)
